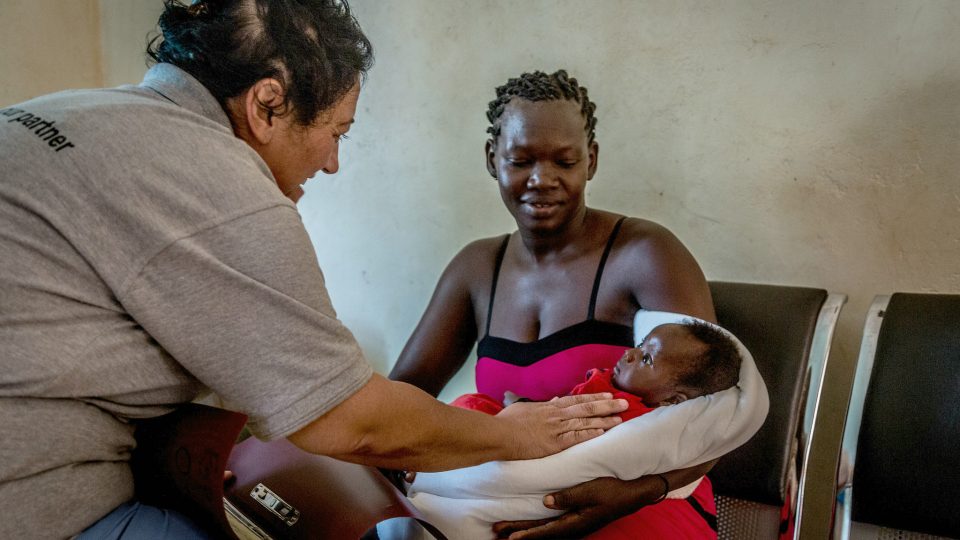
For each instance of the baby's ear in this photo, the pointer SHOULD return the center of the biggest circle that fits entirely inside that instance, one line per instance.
(677, 397)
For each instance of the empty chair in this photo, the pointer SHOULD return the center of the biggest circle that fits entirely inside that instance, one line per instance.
(902, 435)
(788, 330)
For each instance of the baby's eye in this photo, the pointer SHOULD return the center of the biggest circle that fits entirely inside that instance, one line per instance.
(647, 359)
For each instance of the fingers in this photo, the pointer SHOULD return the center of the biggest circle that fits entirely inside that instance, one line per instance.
(602, 422)
(566, 526)
(591, 408)
(602, 491)
(504, 529)
(571, 438)
(566, 401)
(562, 423)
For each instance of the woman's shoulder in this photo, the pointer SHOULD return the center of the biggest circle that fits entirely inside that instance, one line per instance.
(475, 261)
(482, 249)
(638, 233)
(645, 244)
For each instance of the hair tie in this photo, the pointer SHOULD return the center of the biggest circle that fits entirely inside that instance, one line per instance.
(198, 9)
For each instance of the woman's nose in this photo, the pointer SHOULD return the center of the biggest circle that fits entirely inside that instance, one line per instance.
(541, 177)
(333, 163)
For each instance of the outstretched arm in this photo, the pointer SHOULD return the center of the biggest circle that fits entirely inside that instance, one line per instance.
(393, 424)
(396, 425)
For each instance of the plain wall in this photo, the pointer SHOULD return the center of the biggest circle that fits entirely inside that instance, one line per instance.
(46, 46)
(801, 143)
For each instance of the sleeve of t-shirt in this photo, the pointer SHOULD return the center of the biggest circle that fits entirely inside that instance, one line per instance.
(242, 306)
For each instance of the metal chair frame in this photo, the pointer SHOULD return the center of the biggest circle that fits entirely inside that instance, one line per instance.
(844, 528)
(812, 391)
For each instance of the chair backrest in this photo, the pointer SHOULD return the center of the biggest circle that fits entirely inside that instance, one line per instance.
(788, 330)
(902, 435)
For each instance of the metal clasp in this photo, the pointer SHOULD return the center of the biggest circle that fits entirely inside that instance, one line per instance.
(287, 513)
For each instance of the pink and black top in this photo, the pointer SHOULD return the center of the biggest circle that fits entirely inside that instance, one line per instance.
(552, 365)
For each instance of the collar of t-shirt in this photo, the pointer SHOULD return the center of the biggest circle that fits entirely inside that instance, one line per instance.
(180, 88)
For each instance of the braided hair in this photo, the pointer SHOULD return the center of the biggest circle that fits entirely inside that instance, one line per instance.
(538, 86)
(314, 48)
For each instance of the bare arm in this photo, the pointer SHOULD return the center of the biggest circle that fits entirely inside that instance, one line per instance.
(442, 341)
(668, 278)
(393, 424)
(593, 504)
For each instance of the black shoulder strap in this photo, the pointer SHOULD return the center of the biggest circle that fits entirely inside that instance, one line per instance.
(603, 261)
(496, 274)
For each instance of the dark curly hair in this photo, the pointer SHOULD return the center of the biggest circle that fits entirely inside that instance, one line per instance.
(538, 86)
(718, 368)
(315, 48)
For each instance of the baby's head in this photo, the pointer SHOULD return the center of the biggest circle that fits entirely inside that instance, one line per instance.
(677, 362)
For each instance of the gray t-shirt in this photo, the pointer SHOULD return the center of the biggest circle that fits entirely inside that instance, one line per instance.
(146, 255)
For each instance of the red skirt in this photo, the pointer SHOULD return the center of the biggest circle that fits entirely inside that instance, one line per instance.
(694, 518)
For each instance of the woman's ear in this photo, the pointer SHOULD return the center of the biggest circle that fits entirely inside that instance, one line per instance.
(490, 150)
(594, 154)
(256, 107)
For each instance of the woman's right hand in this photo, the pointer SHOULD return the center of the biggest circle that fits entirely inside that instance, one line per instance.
(551, 426)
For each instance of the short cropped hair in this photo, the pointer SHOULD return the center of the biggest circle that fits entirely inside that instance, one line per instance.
(538, 86)
(314, 48)
(718, 367)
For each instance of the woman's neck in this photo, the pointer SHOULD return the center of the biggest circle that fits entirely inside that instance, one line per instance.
(558, 245)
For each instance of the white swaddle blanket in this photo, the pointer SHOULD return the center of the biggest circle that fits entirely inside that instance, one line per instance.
(465, 503)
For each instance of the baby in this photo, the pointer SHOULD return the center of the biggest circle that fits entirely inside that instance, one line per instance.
(673, 363)
(697, 381)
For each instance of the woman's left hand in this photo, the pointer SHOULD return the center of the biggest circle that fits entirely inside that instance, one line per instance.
(589, 507)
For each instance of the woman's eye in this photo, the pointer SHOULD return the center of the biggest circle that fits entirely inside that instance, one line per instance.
(341, 136)
(518, 162)
(567, 164)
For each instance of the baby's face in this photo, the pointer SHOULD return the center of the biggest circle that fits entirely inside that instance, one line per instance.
(650, 370)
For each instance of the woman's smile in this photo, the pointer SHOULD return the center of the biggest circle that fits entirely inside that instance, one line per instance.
(540, 208)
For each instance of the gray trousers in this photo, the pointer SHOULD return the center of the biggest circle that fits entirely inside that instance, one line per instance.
(135, 521)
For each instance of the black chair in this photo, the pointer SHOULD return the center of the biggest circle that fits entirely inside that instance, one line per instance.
(902, 436)
(788, 330)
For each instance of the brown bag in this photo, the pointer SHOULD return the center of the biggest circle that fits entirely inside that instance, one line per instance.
(278, 491)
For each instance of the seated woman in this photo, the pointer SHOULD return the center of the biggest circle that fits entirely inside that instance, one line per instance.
(675, 362)
(558, 296)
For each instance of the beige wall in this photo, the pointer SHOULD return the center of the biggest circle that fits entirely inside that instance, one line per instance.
(805, 143)
(127, 26)
(52, 45)
(47, 45)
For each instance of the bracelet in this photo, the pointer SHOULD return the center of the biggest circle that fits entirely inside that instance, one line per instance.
(666, 488)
